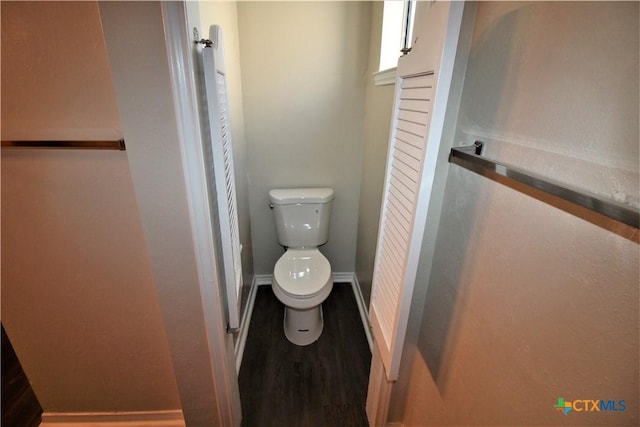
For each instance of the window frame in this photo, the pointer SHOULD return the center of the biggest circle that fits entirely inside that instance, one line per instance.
(387, 75)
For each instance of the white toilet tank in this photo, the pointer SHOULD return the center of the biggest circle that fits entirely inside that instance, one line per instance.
(302, 215)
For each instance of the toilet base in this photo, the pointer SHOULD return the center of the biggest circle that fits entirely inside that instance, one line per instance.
(303, 327)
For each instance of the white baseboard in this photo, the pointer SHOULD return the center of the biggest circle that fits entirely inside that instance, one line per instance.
(171, 418)
(362, 308)
(244, 323)
(265, 279)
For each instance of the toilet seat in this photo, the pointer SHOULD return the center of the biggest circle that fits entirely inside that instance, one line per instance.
(302, 273)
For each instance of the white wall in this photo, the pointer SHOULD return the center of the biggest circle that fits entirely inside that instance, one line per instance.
(527, 303)
(377, 123)
(304, 67)
(78, 297)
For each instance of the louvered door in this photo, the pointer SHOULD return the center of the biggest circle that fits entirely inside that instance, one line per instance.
(404, 173)
(219, 154)
(422, 91)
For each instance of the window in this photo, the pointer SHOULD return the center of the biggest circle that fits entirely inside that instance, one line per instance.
(397, 30)
(407, 25)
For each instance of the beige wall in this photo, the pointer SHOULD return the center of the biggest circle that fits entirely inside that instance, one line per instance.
(377, 123)
(68, 71)
(304, 69)
(525, 302)
(225, 14)
(78, 301)
(78, 298)
(558, 97)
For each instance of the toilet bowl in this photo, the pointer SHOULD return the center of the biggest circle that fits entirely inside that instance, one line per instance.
(302, 276)
(302, 281)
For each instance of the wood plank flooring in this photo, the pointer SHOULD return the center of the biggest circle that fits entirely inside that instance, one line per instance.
(322, 384)
(20, 407)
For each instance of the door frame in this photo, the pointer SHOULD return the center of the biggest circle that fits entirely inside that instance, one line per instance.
(180, 47)
(150, 52)
(453, 62)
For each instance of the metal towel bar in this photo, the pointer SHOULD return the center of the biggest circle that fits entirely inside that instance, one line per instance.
(86, 145)
(470, 158)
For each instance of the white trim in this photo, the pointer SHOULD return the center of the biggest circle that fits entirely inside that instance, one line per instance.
(263, 279)
(378, 391)
(362, 308)
(343, 277)
(258, 280)
(385, 77)
(244, 324)
(171, 418)
(266, 279)
(181, 68)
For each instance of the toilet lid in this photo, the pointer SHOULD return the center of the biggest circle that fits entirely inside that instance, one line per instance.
(302, 272)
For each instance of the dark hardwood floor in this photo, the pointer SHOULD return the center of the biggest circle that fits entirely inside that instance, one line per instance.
(20, 407)
(322, 384)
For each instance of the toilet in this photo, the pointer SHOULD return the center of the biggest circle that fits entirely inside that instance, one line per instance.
(302, 276)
